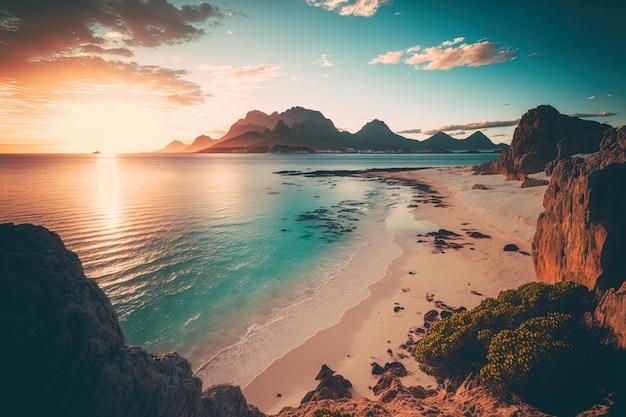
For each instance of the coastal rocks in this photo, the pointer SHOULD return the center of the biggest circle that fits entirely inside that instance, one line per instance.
(477, 235)
(334, 221)
(533, 182)
(227, 401)
(580, 235)
(543, 134)
(66, 353)
(443, 239)
(331, 387)
(511, 247)
(59, 328)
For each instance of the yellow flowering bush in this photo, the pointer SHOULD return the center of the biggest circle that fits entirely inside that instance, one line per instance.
(535, 341)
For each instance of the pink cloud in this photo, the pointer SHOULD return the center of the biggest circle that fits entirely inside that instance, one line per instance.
(448, 55)
(364, 8)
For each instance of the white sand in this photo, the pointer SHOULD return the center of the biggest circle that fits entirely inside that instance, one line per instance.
(504, 211)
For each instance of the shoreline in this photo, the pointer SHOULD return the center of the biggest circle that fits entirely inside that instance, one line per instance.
(414, 281)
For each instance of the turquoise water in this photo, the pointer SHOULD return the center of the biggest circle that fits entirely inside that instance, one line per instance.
(217, 256)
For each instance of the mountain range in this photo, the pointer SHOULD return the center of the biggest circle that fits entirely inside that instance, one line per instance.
(300, 130)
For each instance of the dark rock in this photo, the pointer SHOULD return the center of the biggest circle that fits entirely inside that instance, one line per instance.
(445, 314)
(543, 134)
(511, 248)
(396, 368)
(377, 369)
(479, 187)
(477, 235)
(446, 233)
(58, 325)
(227, 401)
(533, 182)
(331, 387)
(421, 392)
(431, 316)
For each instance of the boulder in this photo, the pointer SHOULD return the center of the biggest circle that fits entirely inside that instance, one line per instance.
(534, 182)
(227, 401)
(431, 316)
(543, 135)
(396, 368)
(580, 235)
(377, 369)
(331, 387)
(511, 248)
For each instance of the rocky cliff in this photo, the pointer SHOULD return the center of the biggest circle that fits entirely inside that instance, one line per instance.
(580, 236)
(544, 135)
(64, 351)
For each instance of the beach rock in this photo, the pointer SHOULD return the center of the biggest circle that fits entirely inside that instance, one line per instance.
(396, 368)
(477, 235)
(542, 135)
(431, 316)
(580, 235)
(377, 369)
(445, 314)
(533, 182)
(331, 387)
(388, 388)
(227, 401)
(64, 350)
(510, 248)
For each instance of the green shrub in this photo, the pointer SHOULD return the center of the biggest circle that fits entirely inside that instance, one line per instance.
(458, 345)
(534, 341)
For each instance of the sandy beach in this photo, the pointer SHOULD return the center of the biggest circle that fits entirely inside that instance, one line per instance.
(419, 280)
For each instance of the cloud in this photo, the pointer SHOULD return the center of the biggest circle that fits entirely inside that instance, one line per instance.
(411, 131)
(473, 126)
(67, 45)
(35, 30)
(600, 114)
(449, 54)
(325, 61)
(391, 57)
(364, 8)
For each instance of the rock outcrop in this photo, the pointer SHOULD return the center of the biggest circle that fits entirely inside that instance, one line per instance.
(331, 387)
(543, 135)
(64, 351)
(580, 236)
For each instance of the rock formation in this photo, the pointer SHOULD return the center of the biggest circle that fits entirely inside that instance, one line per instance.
(64, 351)
(543, 135)
(331, 387)
(580, 236)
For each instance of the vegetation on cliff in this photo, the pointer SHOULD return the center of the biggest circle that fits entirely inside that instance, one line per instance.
(536, 341)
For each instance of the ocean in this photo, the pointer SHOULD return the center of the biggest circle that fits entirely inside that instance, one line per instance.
(217, 256)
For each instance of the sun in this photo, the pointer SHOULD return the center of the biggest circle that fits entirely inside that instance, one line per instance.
(109, 126)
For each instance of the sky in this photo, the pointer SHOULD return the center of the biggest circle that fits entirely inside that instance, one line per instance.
(123, 76)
